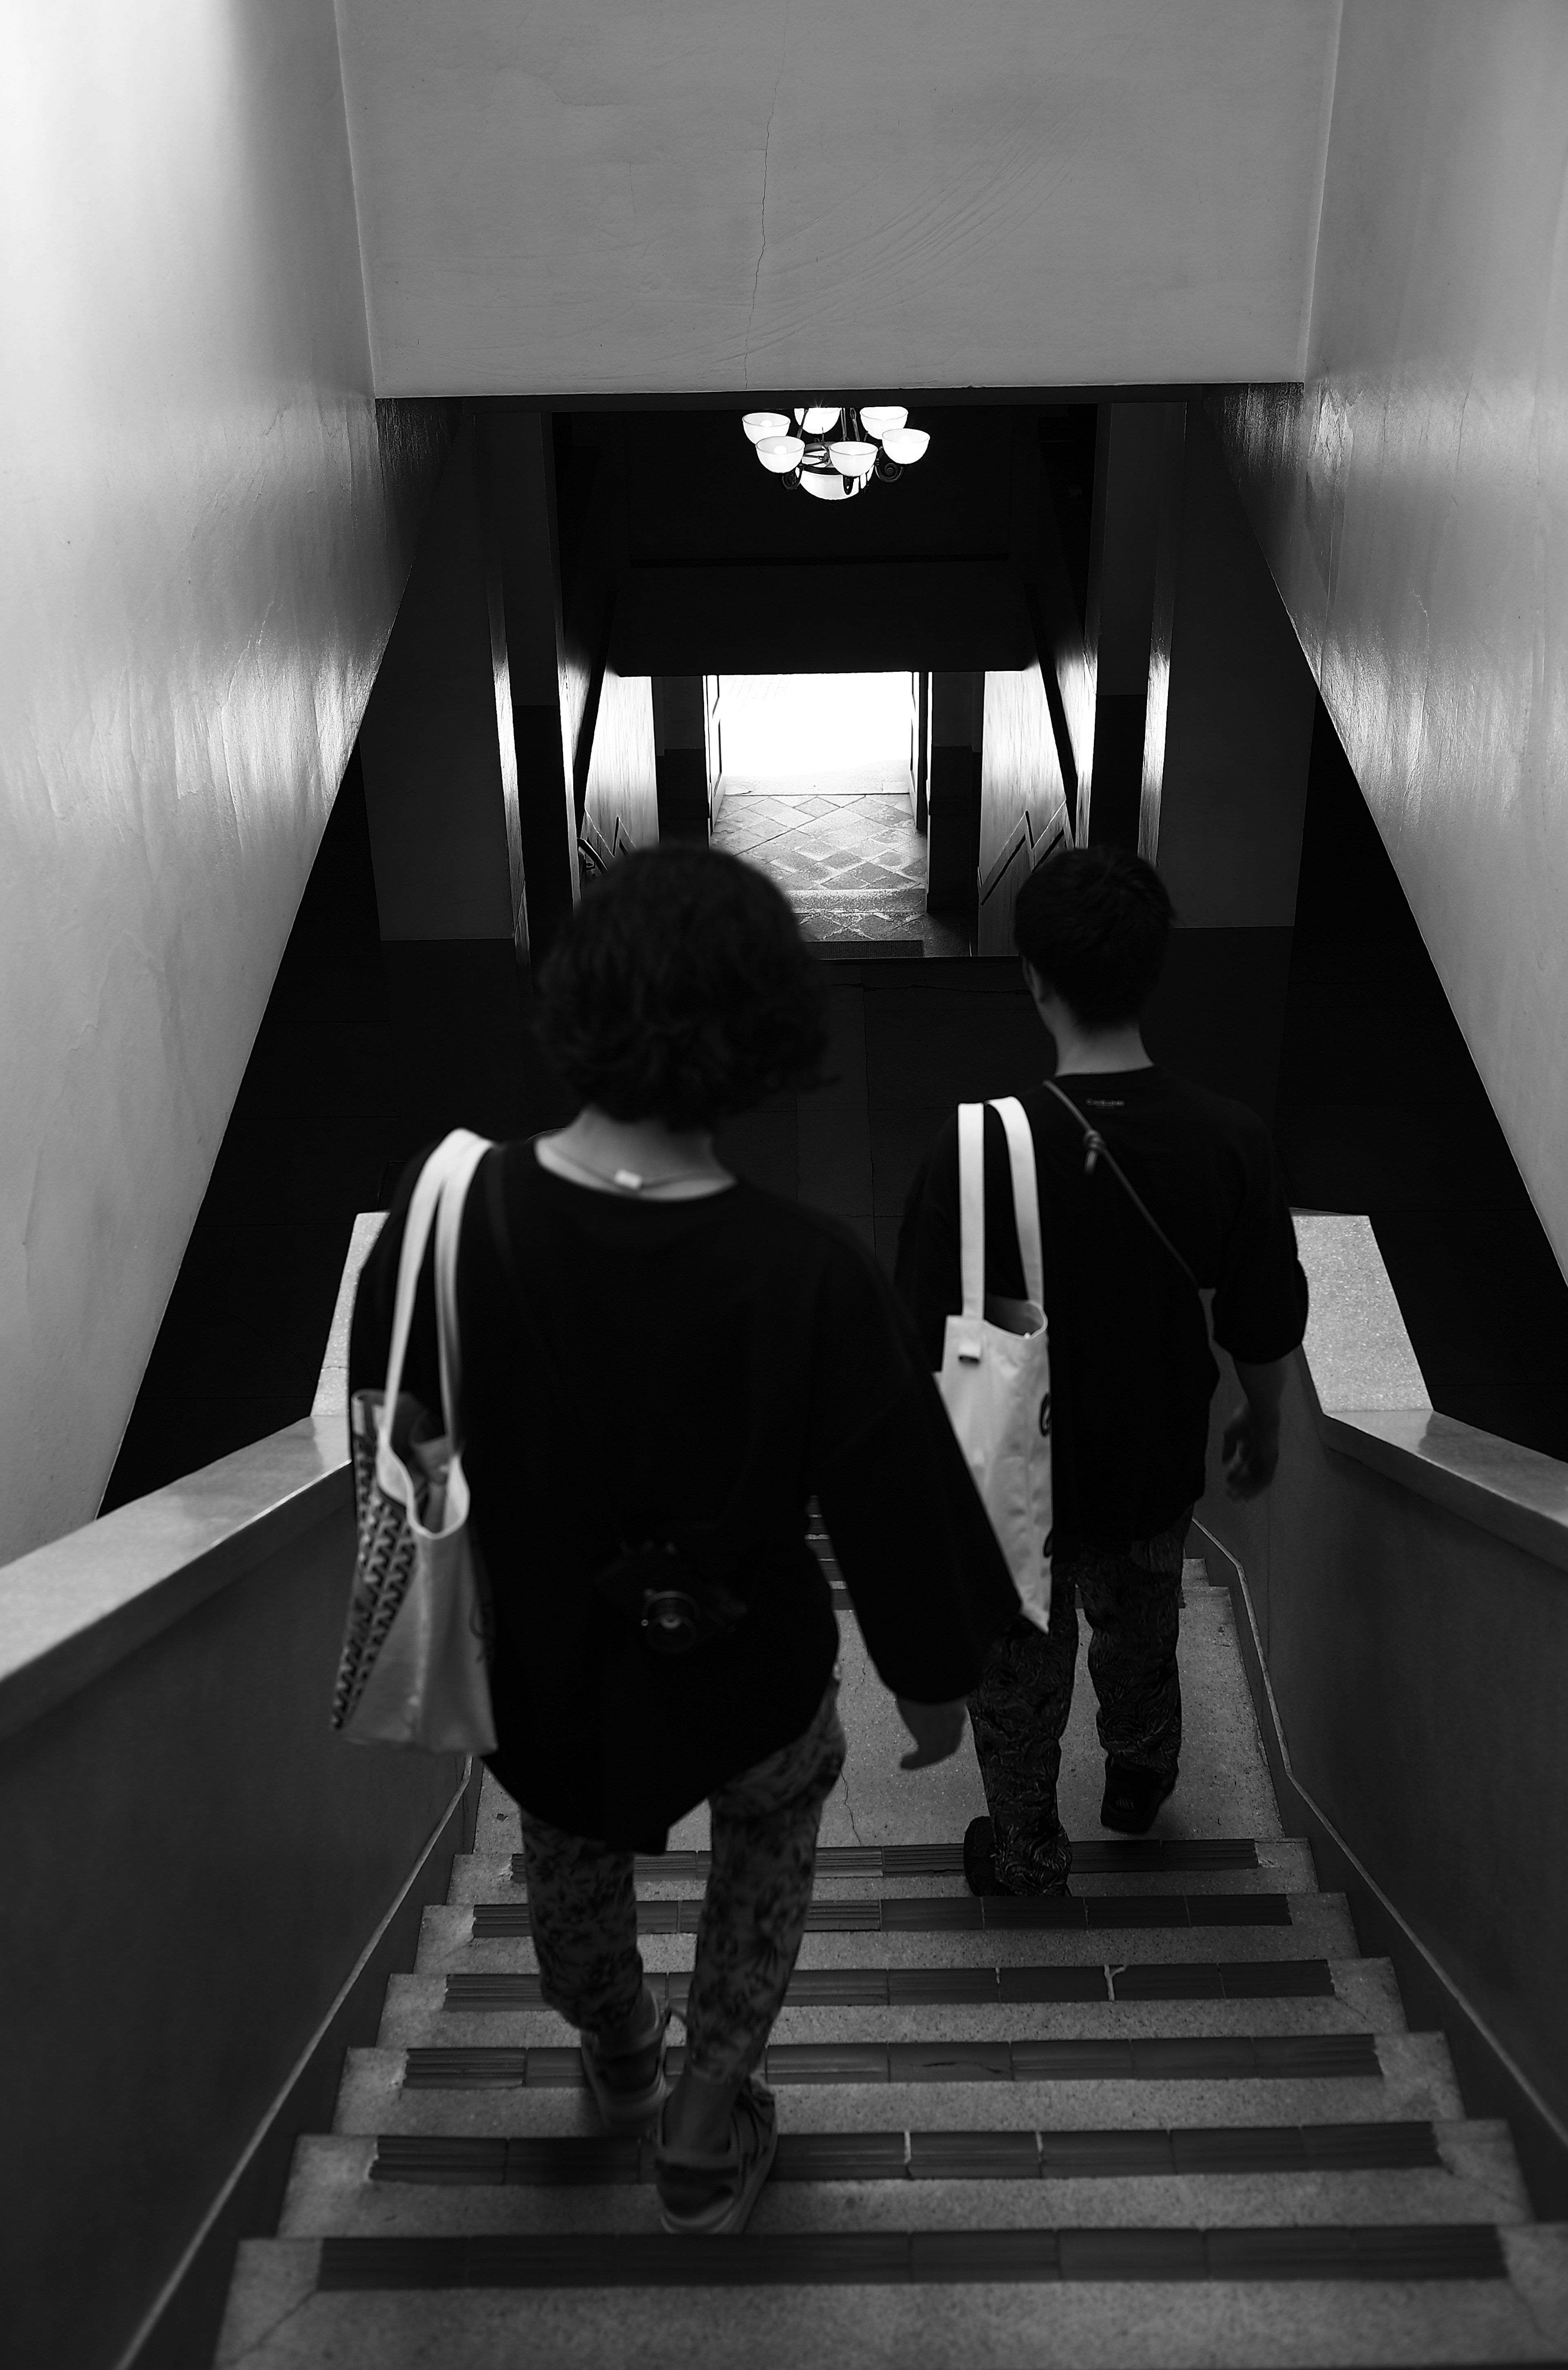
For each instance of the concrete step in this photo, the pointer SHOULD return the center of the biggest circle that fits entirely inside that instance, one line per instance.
(337, 2185)
(1278, 1865)
(437, 2011)
(1415, 2082)
(1311, 1925)
(1065, 2313)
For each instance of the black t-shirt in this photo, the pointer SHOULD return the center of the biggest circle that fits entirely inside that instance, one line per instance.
(1132, 1373)
(694, 1371)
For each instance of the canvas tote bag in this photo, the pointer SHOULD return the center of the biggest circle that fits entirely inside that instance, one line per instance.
(995, 1372)
(414, 1664)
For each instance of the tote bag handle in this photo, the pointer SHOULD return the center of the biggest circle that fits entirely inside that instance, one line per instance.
(438, 1198)
(971, 1201)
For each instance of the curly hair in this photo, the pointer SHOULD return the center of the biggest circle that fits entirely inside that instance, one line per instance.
(682, 990)
(1094, 923)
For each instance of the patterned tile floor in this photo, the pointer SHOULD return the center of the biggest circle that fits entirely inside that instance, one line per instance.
(847, 857)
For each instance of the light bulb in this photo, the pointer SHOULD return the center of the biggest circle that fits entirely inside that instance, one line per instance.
(759, 424)
(780, 453)
(878, 418)
(818, 418)
(852, 460)
(905, 444)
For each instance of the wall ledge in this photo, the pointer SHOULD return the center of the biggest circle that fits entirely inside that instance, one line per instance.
(1370, 1400)
(1516, 1493)
(72, 1609)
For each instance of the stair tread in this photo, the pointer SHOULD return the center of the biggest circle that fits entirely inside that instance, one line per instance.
(874, 2003)
(1416, 2082)
(1318, 1925)
(887, 2179)
(1195, 1864)
(277, 2321)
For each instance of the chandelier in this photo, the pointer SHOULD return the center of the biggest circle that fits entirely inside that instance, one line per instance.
(834, 450)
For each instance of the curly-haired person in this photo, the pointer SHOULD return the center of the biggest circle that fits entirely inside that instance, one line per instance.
(662, 1365)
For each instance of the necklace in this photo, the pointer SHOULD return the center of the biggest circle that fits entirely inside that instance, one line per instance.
(629, 1180)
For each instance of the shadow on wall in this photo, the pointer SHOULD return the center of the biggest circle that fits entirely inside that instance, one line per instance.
(1380, 1109)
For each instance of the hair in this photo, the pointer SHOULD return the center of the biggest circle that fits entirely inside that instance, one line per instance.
(682, 990)
(1094, 923)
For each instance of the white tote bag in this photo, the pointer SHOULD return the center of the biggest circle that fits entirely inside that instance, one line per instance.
(414, 1664)
(995, 1375)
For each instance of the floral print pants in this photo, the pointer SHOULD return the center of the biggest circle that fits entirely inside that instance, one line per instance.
(1132, 1596)
(583, 1907)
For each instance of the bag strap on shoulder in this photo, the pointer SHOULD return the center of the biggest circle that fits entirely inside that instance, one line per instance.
(1026, 1195)
(971, 1207)
(1095, 1150)
(436, 1201)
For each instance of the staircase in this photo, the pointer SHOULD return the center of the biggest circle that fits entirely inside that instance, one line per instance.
(1176, 2118)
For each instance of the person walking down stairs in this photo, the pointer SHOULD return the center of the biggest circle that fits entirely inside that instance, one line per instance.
(1151, 1190)
(660, 1366)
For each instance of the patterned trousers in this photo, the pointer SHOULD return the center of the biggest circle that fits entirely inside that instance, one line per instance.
(583, 1907)
(1019, 1711)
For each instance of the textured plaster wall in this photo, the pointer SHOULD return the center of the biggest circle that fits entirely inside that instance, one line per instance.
(1414, 506)
(206, 525)
(601, 195)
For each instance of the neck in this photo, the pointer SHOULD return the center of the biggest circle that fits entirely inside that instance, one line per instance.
(644, 1148)
(1080, 1046)
(1101, 1050)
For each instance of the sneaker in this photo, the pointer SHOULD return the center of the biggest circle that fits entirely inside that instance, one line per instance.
(1133, 1797)
(712, 2196)
(629, 2088)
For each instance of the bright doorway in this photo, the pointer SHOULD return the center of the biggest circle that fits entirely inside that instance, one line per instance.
(819, 780)
(799, 734)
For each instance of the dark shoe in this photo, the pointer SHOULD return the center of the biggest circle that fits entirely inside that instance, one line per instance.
(712, 2196)
(979, 1857)
(631, 2087)
(1133, 1797)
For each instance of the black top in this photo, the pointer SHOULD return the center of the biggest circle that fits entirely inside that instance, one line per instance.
(1132, 1373)
(693, 1370)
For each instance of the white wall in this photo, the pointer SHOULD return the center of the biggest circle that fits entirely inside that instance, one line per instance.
(1413, 506)
(607, 196)
(205, 529)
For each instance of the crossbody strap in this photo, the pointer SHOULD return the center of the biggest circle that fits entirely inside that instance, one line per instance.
(1095, 1150)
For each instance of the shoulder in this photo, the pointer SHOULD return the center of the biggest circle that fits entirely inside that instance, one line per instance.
(1213, 1119)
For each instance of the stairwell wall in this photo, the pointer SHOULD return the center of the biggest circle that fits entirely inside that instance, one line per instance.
(207, 522)
(1411, 499)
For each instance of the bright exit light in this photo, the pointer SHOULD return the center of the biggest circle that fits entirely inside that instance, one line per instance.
(785, 727)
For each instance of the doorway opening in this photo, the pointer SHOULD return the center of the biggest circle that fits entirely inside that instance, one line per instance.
(819, 780)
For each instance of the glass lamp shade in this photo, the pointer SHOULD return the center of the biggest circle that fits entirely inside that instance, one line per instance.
(852, 460)
(878, 418)
(780, 453)
(905, 444)
(819, 418)
(759, 424)
(827, 489)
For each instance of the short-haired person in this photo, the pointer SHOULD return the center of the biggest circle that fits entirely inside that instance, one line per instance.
(1132, 1373)
(661, 1366)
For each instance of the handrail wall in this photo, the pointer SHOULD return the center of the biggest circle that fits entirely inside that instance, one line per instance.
(1408, 1580)
(192, 1866)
